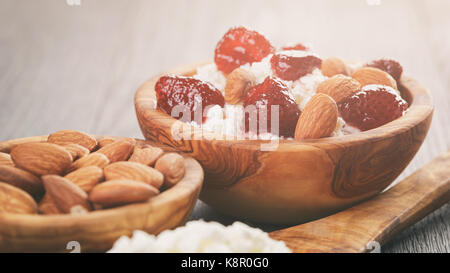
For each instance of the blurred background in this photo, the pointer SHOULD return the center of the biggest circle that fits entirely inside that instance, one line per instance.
(75, 64)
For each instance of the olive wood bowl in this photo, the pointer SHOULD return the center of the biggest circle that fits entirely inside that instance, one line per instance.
(300, 180)
(98, 230)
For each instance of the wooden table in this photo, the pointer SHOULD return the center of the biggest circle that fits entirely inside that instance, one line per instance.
(78, 66)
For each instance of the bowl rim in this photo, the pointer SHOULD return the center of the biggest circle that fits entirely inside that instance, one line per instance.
(420, 107)
(186, 188)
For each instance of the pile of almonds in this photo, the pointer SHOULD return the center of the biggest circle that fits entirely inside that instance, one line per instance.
(74, 173)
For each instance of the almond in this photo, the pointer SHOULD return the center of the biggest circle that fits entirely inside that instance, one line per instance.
(171, 165)
(64, 193)
(334, 66)
(86, 178)
(147, 155)
(339, 87)
(119, 150)
(47, 206)
(126, 170)
(5, 159)
(120, 192)
(41, 158)
(95, 159)
(76, 151)
(318, 118)
(15, 200)
(105, 141)
(238, 83)
(21, 179)
(371, 75)
(70, 136)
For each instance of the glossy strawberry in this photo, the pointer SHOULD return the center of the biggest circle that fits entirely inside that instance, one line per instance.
(269, 93)
(192, 93)
(298, 46)
(373, 106)
(240, 46)
(291, 68)
(392, 67)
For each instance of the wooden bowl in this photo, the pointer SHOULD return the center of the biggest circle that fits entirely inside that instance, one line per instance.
(300, 180)
(98, 230)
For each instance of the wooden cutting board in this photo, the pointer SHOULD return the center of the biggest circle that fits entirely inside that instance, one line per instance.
(367, 226)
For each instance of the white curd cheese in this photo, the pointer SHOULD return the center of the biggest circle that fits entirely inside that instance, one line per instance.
(229, 121)
(201, 237)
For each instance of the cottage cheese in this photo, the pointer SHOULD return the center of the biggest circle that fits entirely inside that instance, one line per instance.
(229, 121)
(201, 237)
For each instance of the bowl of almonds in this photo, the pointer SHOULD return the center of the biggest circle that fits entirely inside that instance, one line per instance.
(285, 136)
(73, 188)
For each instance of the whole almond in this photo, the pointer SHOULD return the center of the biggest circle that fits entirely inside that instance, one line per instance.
(126, 170)
(22, 179)
(48, 207)
(76, 151)
(105, 141)
(238, 83)
(64, 193)
(41, 158)
(371, 75)
(120, 192)
(119, 150)
(15, 200)
(5, 159)
(70, 136)
(333, 66)
(171, 165)
(146, 155)
(339, 87)
(95, 159)
(318, 118)
(86, 178)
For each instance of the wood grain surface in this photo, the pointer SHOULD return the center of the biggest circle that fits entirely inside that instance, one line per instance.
(376, 221)
(77, 67)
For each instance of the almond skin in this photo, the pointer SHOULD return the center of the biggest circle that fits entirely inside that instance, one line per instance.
(238, 83)
(339, 87)
(171, 165)
(5, 159)
(76, 151)
(371, 75)
(15, 200)
(121, 192)
(126, 170)
(95, 159)
(22, 179)
(318, 118)
(48, 207)
(333, 66)
(86, 178)
(146, 155)
(70, 136)
(64, 193)
(119, 150)
(41, 158)
(105, 141)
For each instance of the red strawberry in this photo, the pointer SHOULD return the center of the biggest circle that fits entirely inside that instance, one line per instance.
(240, 46)
(390, 66)
(298, 46)
(186, 91)
(262, 97)
(373, 106)
(291, 68)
